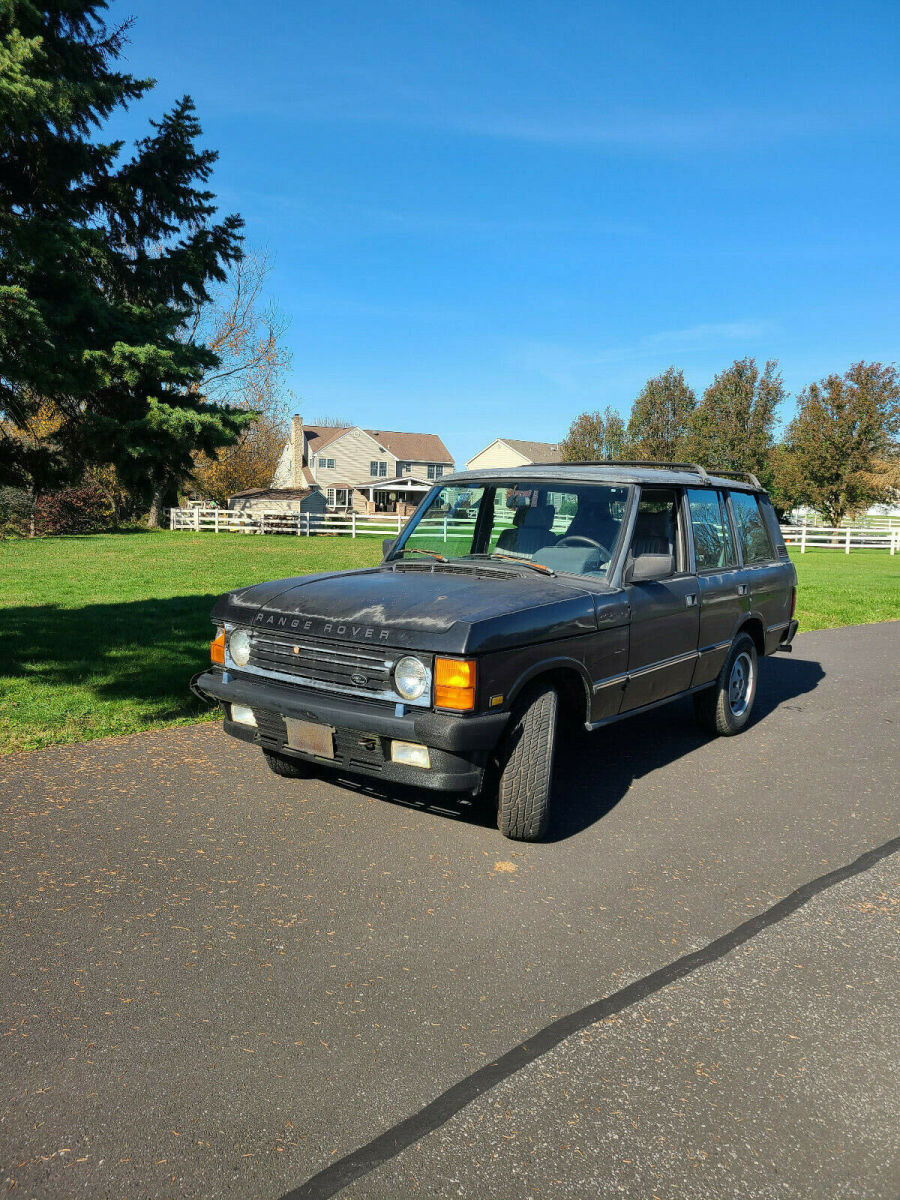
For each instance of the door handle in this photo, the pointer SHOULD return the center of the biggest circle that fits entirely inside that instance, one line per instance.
(691, 600)
(743, 589)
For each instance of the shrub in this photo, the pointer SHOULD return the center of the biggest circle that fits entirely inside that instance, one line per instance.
(83, 509)
(15, 511)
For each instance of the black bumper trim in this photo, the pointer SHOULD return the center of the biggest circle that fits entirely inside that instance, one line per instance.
(455, 734)
(448, 772)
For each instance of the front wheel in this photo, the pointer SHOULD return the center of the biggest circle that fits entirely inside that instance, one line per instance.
(725, 707)
(287, 767)
(526, 768)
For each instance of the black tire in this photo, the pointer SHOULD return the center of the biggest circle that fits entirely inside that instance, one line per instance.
(725, 708)
(288, 768)
(526, 767)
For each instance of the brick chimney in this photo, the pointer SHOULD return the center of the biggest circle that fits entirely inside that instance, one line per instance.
(298, 452)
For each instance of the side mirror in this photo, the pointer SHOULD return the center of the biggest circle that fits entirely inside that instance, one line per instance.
(647, 567)
(387, 546)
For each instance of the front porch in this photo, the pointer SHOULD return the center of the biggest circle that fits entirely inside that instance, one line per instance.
(400, 495)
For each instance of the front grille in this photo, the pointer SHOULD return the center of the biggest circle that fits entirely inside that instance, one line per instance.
(364, 671)
(322, 662)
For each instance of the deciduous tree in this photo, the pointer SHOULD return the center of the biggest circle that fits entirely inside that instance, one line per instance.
(733, 426)
(844, 437)
(594, 435)
(247, 335)
(660, 424)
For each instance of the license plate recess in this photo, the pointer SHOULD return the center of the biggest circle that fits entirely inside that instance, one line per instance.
(310, 737)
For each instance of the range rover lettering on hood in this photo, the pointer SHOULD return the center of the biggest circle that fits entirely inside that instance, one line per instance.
(366, 633)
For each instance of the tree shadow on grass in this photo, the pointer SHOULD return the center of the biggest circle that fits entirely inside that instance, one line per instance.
(142, 651)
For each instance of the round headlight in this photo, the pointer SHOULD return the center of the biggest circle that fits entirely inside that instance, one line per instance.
(239, 647)
(410, 678)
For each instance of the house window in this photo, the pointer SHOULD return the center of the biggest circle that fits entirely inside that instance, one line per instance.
(435, 472)
(404, 468)
(431, 474)
(438, 472)
(329, 463)
(377, 468)
(337, 497)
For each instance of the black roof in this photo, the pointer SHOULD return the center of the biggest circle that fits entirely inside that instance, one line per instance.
(686, 474)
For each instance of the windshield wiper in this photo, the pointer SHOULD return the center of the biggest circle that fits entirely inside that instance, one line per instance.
(431, 553)
(520, 562)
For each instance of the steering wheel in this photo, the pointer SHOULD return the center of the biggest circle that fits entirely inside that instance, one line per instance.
(578, 539)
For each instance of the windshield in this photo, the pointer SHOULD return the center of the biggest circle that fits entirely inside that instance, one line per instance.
(569, 527)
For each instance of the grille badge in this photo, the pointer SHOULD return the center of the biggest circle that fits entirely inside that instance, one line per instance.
(359, 680)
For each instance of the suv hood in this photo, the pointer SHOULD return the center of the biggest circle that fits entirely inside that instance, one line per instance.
(419, 607)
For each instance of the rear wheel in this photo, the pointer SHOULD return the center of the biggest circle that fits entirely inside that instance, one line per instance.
(288, 768)
(526, 767)
(725, 708)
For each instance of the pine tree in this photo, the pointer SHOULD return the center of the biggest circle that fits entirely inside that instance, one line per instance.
(733, 425)
(103, 260)
(660, 422)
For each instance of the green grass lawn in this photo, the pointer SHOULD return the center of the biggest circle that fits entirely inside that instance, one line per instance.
(835, 589)
(101, 634)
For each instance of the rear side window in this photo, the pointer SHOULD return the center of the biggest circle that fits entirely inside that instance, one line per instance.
(751, 529)
(713, 543)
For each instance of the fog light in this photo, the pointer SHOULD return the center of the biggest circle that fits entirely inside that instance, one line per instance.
(242, 714)
(410, 753)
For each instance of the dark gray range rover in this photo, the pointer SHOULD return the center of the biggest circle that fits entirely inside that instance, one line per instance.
(513, 600)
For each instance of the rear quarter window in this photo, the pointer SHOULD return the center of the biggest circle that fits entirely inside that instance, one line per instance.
(713, 545)
(752, 535)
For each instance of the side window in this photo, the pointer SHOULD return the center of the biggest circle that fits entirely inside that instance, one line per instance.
(751, 530)
(657, 525)
(713, 543)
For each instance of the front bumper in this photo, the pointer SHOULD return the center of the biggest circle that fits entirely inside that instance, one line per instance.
(459, 747)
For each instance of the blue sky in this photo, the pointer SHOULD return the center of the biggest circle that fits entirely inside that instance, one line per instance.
(487, 218)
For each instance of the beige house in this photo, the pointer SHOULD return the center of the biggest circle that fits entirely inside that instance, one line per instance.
(509, 452)
(349, 469)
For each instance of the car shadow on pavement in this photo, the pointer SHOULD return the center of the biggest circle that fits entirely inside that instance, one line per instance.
(600, 767)
(595, 770)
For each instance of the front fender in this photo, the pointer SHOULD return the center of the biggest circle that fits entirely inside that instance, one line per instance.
(563, 666)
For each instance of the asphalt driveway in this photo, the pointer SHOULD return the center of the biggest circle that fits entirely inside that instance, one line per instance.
(216, 982)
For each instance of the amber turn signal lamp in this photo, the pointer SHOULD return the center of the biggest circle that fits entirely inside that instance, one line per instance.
(217, 649)
(454, 684)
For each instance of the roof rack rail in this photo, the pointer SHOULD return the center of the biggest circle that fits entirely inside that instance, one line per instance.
(636, 462)
(729, 474)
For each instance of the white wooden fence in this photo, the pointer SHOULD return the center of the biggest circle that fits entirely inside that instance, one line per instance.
(841, 537)
(224, 520)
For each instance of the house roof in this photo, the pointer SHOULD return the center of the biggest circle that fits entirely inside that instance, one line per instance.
(536, 451)
(407, 447)
(413, 447)
(413, 482)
